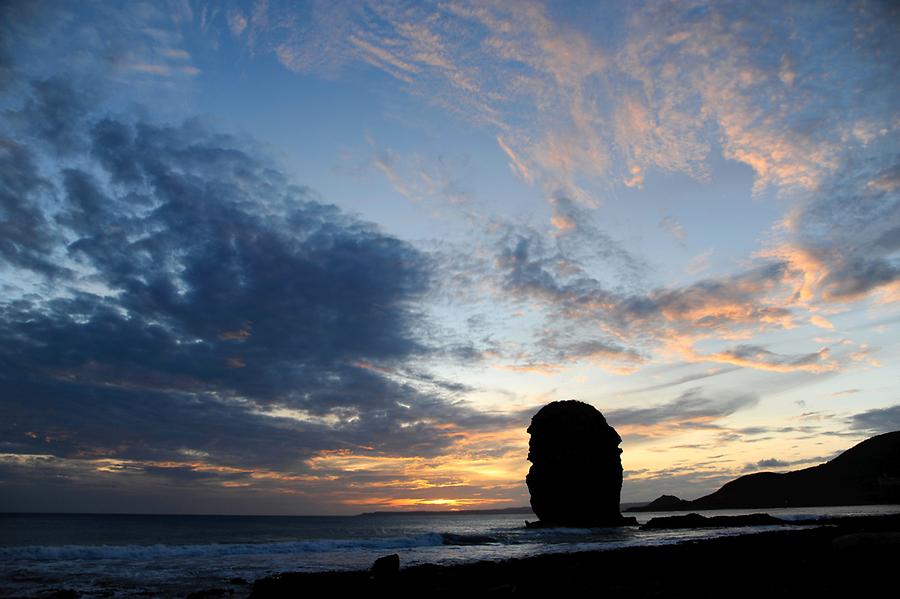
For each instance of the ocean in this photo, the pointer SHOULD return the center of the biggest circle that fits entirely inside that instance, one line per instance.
(167, 555)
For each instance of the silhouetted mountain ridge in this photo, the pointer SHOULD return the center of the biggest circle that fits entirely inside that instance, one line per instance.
(866, 474)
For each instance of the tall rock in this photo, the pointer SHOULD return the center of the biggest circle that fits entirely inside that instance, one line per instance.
(576, 469)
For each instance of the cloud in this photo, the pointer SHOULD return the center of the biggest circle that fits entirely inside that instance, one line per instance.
(766, 464)
(197, 276)
(136, 44)
(237, 22)
(755, 356)
(684, 379)
(673, 228)
(670, 320)
(573, 112)
(820, 322)
(556, 352)
(418, 181)
(566, 106)
(212, 305)
(579, 115)
(700, 262)
(515, 163)
(841, 245)
(774, 463)
(691, 409)
(473, 61)
(879, 420)
(52, 114)
(676, 318)
(26, 239)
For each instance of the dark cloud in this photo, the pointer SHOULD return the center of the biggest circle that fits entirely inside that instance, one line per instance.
(26, 238)
(138, 44)
(766, 464)
(230, 313)
(879, 420)
(770, 463)
(52, 113)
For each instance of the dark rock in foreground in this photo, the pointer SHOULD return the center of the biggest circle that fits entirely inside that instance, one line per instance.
(576, 469)
(866, 474)
(698, 521)
(386, 568)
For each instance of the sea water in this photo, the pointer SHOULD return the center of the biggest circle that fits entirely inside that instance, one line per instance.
(130, 555)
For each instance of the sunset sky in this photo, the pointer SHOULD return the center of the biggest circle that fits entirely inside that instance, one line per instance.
(326, 258)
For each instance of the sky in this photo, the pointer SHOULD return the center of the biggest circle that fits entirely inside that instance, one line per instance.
(330, 257)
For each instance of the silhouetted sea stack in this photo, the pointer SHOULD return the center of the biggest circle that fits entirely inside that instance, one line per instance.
(576, 469)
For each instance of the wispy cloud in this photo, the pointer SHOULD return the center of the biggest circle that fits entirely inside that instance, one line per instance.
(692, 409)
(648, 99)
(684, 379)
(673, 228)
(570, 111)
(754, 356)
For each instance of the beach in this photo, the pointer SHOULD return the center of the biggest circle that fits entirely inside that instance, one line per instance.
(853, 557)
(127, 556)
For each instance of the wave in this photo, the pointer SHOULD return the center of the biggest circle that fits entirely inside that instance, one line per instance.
(804, 517)
(450, 538)
(76, 552)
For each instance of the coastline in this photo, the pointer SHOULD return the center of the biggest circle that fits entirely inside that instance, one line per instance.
(841, 557)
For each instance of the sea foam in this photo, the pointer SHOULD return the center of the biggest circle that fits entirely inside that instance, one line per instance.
(77, 552)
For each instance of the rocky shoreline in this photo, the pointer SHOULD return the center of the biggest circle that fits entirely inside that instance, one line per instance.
(833, 557)
(846, 557)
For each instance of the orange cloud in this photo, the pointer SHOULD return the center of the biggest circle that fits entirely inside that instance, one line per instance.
(762, 359)
(241, 334)
(820, 322)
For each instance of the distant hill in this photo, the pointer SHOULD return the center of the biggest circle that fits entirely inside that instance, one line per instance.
(663, 503)
(865, 474)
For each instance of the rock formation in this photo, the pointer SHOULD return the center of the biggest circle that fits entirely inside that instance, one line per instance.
(698, 521)
(386, 569)
(576, 473)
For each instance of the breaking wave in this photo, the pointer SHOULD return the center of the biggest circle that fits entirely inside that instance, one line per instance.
(76, 552)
